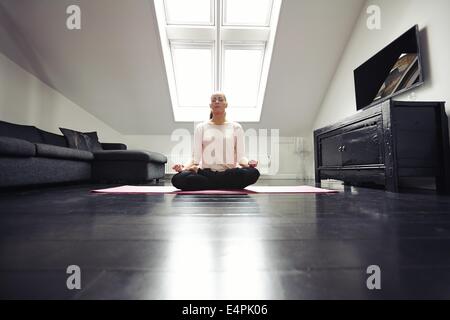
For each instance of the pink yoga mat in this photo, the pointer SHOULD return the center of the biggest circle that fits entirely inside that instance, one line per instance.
(248, 190)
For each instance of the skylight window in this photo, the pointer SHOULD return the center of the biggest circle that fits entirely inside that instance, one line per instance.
(193, 60)
(189, 12)
(242, 73)
(217, 45)
(247, 12)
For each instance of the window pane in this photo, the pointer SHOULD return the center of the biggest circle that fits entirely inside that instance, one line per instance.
(247, 12)
(193, 74)
(188, 12)
(242, 75)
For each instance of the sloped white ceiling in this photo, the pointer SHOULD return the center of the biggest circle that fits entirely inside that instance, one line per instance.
(113, 67)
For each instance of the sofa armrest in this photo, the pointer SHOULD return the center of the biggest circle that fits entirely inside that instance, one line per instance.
(16, 147)
(114, 146)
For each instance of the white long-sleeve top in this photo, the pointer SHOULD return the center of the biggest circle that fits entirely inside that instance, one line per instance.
(219, 147)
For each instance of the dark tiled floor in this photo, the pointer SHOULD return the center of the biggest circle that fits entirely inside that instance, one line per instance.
(227, 247)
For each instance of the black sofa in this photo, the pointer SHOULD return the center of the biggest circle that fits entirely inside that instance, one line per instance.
(31, 156)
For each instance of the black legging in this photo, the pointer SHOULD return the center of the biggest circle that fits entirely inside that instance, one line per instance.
(206, 179)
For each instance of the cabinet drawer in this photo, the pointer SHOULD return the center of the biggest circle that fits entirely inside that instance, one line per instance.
(355, 145)
(417, 137)
(330, 155)
(362, 146)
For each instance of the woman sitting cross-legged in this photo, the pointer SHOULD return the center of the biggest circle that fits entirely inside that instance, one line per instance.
(218, 160)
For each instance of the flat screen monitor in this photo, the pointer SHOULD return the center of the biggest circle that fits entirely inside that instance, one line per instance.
(395, 69)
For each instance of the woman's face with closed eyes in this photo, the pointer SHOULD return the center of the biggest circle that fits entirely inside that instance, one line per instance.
(218, 103)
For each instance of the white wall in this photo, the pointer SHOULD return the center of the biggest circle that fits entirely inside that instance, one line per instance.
(122, 80)
(397, 16)
(24, 99)
(291, 164)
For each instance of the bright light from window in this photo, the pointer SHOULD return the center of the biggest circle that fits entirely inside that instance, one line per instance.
(248, 12)
(193, 74)
(242, 74)
(223, 45)
(189, 12)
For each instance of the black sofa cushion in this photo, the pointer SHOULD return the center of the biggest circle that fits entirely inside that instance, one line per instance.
(50, 151)
(28, 133)
(92, 142)
(82, 141)
(130, 155)
(16, 147)
(20, 172)
(54, 139)
(114, 146)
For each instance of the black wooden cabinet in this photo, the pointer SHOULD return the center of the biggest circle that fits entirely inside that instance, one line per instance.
(384, 143)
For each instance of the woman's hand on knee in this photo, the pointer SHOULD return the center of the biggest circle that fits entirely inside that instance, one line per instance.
(250, 164)
(253, 164)
(178, 167)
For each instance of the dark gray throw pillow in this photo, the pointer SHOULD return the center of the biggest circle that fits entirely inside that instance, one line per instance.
(82, 141)
(92, 141)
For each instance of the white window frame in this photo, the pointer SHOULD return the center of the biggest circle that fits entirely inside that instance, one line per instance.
(179, 44)
(266, 24)
(212, 21)
(222, 35)
(233, 45)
